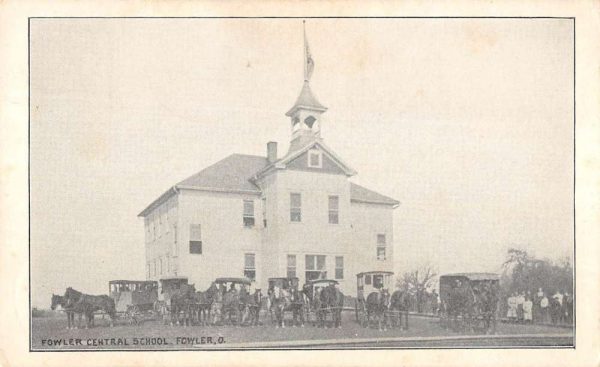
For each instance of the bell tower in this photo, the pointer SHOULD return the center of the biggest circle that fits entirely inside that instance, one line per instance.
(306, 113)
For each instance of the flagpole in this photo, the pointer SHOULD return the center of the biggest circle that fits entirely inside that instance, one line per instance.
(304, 51)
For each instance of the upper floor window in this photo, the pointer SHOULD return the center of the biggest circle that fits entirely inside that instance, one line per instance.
(264, 211)
(315, 267)
(295, 207)
(291, 266)
(248, 213)
(315, 159)
(334, 207)
(381, 245)
(339, 267)
(250, 266)
(195, 239)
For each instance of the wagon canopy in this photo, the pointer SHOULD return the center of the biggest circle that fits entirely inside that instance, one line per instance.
(322, 281)
(470, 276)
(283, 282)
(360, 275)
(234, 280)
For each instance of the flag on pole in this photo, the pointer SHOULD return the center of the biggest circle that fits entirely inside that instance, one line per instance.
(309, 64)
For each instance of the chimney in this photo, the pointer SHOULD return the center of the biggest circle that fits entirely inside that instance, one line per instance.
(272, 151)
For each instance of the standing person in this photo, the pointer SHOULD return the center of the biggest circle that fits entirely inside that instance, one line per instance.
(512, 308)
(537, 309)
(520, 301)
(558, 296)
(544, 308)
(528, 310)
(568, 308)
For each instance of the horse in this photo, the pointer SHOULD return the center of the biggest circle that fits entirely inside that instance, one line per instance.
(182, 302)
(487, 304)
(231, 306)
(62, 302)
(399, 305)
(252, 304)
(312, 301)
(88, 304)
(460, 303)
(203, 303)
(282, 300)
(216, 307)
(332, 300)
(377, 305)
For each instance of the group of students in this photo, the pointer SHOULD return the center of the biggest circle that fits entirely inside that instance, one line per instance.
(540, 308)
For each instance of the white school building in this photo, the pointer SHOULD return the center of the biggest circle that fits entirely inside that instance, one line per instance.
(292, 214)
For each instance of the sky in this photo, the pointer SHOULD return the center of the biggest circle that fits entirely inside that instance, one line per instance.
(467, 122)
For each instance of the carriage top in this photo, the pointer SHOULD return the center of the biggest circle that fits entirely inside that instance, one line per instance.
(321, 281)
(284, 282)
(470, 276)
(234, 280)
(122, 285)
(374, 272)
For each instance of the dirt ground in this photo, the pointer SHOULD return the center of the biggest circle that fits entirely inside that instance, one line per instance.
(50, 333)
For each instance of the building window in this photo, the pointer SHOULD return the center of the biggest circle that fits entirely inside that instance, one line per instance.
(295, 207)
(175, 247)
(160, 265)
(334, 208)
(248, 213)
(381, 247)
(339, 267)
(315, 267)
(153, 226)
(167, 223)
(147, 225)
(168, 260)
(249, 267)
(291, 266)
(155, 272)
(315, 159)
(195, 239)
(160, 223)
(148, 271)
(264, 211)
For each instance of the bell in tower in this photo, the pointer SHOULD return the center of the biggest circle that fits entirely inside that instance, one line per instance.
(306, 113)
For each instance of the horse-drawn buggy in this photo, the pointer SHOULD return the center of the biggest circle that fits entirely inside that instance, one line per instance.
(284, 296)
(175, 299)
(375, 302)
(233, 303)
(323, 298)
(134, 299)
(469, 301)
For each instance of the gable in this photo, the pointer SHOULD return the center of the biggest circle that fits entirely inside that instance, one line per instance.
(327, 164)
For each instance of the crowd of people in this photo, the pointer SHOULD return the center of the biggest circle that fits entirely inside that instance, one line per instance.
(540, 307)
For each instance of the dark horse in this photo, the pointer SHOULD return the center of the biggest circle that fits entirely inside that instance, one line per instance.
(182, 303)
(203, 302)
(460, 303)
(399, 306)
(62, 302)
(287, 300)
(87, 305)
(231, 308)
(252, 304)
(332, 301)
(377, 305)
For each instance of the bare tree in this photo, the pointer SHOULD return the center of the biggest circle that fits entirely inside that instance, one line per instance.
(416, 282)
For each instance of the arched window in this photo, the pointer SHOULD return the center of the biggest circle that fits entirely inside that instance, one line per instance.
(309, 121)
(295, 124)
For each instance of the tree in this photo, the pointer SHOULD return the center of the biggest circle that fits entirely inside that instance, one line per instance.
(523, 272)
(417, 282)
